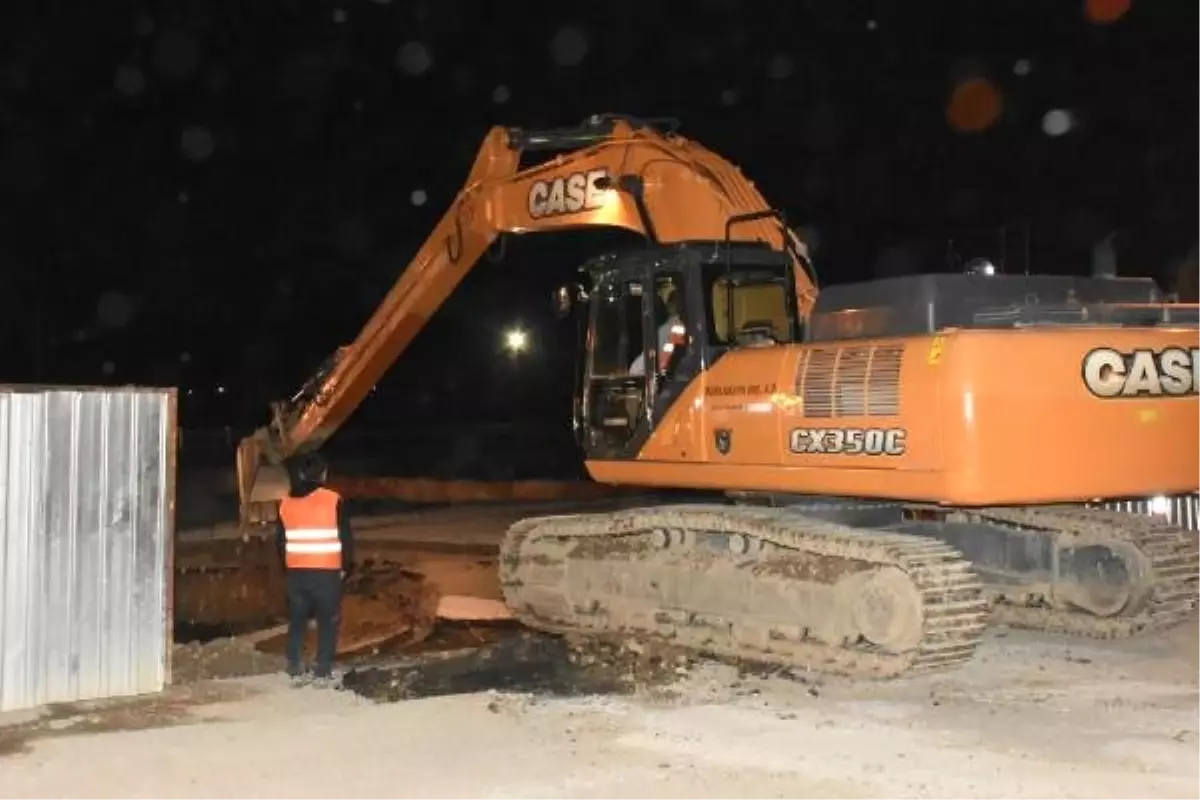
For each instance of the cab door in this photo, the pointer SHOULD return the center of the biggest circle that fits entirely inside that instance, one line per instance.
(617, 377)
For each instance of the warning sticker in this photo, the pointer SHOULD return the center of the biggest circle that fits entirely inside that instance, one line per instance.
(935, 351)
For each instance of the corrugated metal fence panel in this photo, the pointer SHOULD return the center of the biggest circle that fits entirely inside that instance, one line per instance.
(86, 520)
(1179, 510)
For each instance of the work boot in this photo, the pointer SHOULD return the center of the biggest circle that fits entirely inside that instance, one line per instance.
(325, 680)
(297, 677)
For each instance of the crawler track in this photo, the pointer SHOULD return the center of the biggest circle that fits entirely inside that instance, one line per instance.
(762, 584)
(1170, 557)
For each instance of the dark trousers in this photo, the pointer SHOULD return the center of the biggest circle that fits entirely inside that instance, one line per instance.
(313, 592)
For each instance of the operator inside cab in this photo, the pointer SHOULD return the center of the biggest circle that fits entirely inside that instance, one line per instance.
(672, 333)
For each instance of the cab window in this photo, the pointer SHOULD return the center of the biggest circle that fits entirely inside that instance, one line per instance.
(760, 300)
(617, 336)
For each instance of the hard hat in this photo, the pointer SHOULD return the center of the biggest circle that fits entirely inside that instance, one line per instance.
(309, 467)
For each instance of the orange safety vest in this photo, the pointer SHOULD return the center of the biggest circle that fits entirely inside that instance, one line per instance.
(310, 526)
(676, 337)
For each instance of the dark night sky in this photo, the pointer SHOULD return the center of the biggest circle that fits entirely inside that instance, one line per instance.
(215, 193)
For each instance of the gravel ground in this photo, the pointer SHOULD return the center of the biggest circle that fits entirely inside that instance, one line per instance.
(1033, 716)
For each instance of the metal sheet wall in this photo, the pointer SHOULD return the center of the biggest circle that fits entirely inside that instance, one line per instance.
(87, 482)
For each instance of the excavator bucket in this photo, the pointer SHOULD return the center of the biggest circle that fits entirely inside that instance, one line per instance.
(261, 484)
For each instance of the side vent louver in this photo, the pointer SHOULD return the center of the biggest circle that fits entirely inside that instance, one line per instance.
(883, 382)
(850, 381)
(816, 382)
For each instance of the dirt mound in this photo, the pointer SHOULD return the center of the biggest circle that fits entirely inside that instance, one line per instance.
(220, 658)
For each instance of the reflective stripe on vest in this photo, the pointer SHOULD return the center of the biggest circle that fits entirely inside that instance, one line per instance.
(311, 530)
(676, 337)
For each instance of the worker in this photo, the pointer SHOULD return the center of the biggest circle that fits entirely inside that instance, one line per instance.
(672, 333)
(317, 547)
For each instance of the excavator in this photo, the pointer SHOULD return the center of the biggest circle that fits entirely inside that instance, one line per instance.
(894, 463)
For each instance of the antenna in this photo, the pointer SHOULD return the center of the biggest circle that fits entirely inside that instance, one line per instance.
(1027, 238)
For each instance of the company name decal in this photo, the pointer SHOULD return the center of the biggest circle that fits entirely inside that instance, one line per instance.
(568, 194)
(1112, 373)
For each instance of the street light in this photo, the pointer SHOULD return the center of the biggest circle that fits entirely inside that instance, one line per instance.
(516, 341)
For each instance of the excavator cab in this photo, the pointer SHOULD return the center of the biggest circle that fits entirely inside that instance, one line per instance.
(652, 320)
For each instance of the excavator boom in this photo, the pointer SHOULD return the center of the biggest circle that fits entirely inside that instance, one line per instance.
(619, 172)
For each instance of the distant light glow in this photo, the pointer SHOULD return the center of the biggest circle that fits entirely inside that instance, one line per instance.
(197, 143)
(108, 368)
(143, 25)
(501, 95)
(114, 309)
(1105, 12)
(975, 105)
(129, 81)
(176, 54)
(780, 67)
(516, 341)
(220, 389)
(872, 25)
(1022, 67)
(414, 58)
(569, 46)
(1057, 121)
(980, 266)
(418, 197)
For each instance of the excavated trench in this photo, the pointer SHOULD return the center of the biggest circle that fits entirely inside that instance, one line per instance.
(230, 606)
(507, 658)
(230, 613)
(230, 621)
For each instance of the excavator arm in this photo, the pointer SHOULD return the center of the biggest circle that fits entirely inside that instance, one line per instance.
(618, 172)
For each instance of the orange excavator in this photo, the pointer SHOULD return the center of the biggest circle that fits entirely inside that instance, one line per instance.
(899, 459)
